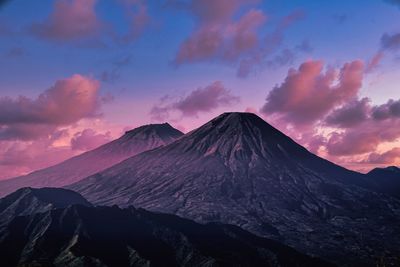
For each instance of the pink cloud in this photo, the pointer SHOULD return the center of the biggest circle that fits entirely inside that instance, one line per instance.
(20, 157)
(309, 93)
(70, 20)
(389, 157)
(218, 35)
(391, 109)
(374, 62)
(200, 100)
(369, 133)
(230, 32)
(88, 139)
(350, 114)
(210, 11)
(265, 54)
(352, 143)
(251, 110)
(322, 110)
(68, 101)
(363, 139)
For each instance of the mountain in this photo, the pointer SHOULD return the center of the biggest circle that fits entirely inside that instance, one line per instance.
(72, 170)
(27, 201)
(386, 180)
(238, 169)
(109, 236)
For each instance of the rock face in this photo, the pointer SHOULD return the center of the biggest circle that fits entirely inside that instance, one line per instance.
(109, 236)
(238, 169)
(27, 201)
(72, 170)
(386, 180)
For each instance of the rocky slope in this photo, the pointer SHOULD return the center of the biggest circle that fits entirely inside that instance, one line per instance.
(109, 236)
(72, 170)
(238, 169)
(386, 180)
(27, 201)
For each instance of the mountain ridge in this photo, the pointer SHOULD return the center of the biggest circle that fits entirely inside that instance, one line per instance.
(28, 201)
(133, 142)
(73, 236)
(386, 180)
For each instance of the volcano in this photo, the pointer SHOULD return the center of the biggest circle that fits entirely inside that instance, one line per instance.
(72, 170)
(238, 169)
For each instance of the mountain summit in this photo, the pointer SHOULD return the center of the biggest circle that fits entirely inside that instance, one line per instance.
(72, 170)
(238, 169)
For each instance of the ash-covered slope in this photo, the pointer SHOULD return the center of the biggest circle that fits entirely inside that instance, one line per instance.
(72, 170)
(386, 180)
(109, 236)
(27, 201)
(238, 169)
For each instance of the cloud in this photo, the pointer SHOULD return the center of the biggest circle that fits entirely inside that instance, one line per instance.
(67, 102)
(352, 143)
(70, 20)
(374, 62)
(376, 125)
(88, 139)
(310, 93)
(219, 37)
(320, 107)
(265, 54)
(233, 33)
(18, 157)
(364, 138)
(390, 42)
(76, 21)
(389, 157)
(350, 114)
(391, 109)
(25, 131)
(200, 100)
(21, 157)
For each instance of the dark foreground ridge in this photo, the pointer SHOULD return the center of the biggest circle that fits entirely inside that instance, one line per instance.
(110, 236)
(28, 201)
(386, 180)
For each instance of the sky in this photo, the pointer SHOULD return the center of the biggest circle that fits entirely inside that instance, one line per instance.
(76, 74)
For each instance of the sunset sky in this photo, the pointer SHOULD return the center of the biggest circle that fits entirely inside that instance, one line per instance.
(78, 73)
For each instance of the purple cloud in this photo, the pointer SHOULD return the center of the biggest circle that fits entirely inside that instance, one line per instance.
(67, 102)
(200, 100)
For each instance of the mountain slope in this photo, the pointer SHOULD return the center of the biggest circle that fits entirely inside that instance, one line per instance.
(386, 180)
(109, 236)
(72, 170)
(238, 169)
(27, 201)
